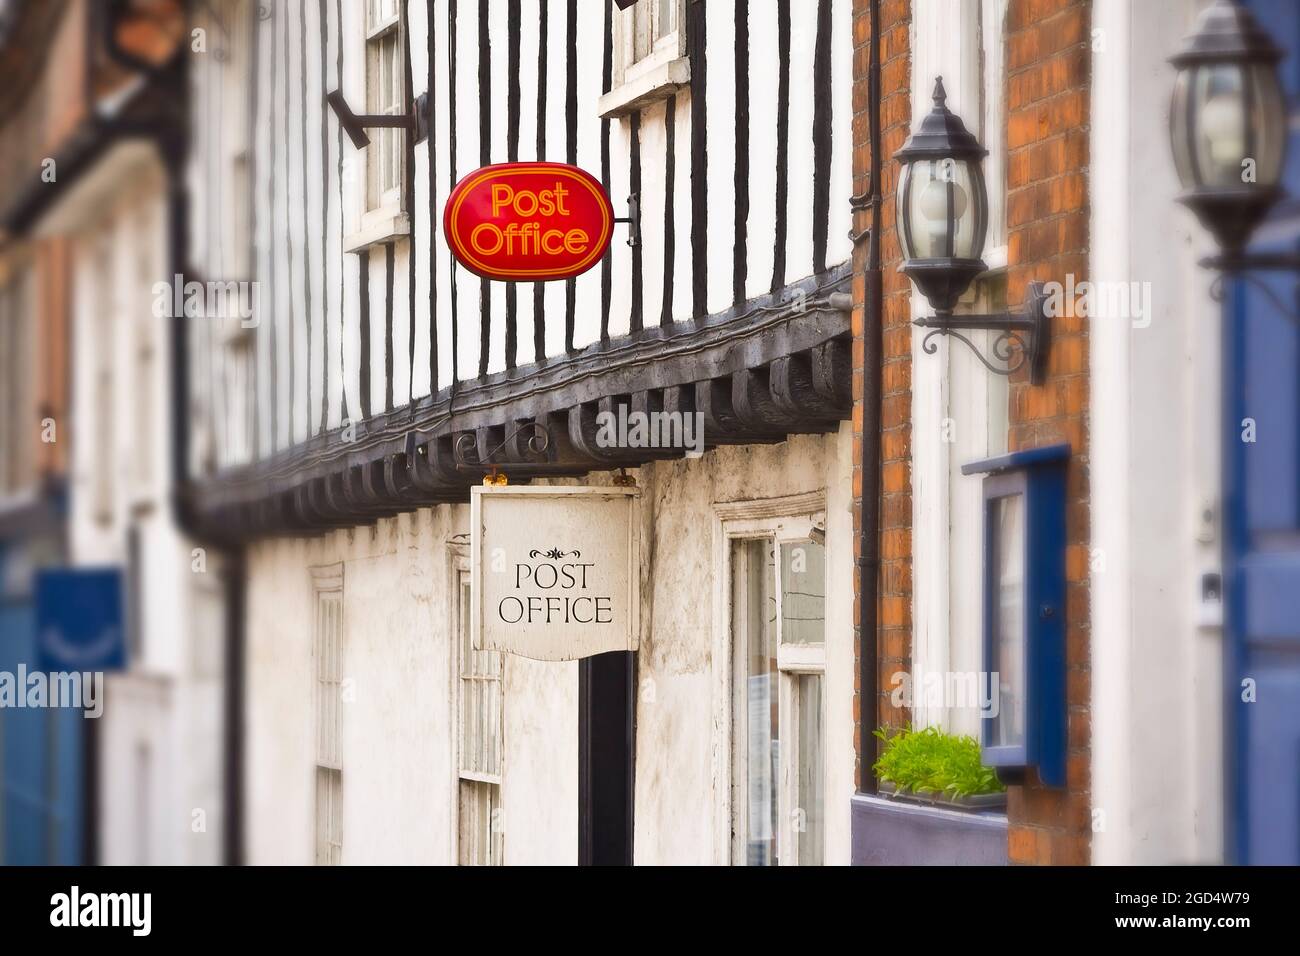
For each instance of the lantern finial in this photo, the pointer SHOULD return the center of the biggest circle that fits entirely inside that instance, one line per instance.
(940, 96)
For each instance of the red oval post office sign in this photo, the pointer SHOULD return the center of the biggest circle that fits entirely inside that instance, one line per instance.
(528, 221)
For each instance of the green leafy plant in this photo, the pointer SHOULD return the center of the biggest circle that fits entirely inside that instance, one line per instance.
(930, 761)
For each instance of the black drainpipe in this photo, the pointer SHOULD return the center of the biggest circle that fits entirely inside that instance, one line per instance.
(872, 339)
(171, 136)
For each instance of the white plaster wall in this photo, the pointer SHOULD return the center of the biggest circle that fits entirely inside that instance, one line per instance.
(279, 756)
(160, 737)
(399, 785)
(399, 728)
(395, 653)
(676, 733)
(1157, 767)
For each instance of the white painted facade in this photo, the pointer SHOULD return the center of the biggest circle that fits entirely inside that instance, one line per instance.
(280, 196)
(160, 738)
(332, 345)
(1157, 648)
(399, 725)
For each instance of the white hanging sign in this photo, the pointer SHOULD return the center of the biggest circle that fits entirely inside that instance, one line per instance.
(555, 571)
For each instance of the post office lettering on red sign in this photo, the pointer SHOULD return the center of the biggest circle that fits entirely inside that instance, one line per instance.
(528, 221)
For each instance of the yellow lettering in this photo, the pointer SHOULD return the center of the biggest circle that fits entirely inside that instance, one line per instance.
(576, 241)
(502, 195)
(493, 233)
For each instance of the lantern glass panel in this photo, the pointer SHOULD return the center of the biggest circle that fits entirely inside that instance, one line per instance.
(1222, 115)
(1269, 120)
(1180, 129)
(1220, 144)
(1008, 515)
(943, 210)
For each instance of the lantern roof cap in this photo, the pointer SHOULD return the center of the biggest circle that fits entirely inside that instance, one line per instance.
(941, 134)
(1227, 32)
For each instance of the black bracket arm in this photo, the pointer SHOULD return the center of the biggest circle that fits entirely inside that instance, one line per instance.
(633, 220)
(355, 125)
(1023, 337)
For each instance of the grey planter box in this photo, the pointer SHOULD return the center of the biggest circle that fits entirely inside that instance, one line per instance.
(892, 832)
(983, 801)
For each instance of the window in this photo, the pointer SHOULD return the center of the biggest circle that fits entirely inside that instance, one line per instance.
(960, 410)
(1007, 539)
(329, 816)
(993, 15)
(1023, 646)
(144, 804)
(480, 741)
(649, 33)
(385, 94)
(650, 60)
(143, 379)
(778, 621)
(19, 428)
(328, 654)
(236, 76)
(104, 318)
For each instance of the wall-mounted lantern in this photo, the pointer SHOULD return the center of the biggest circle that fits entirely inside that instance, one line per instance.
(1228, 128)
(1227, 123)
(942, 217)
(1024, 612)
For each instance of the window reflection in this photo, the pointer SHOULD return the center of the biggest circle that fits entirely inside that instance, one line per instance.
(1009, 621)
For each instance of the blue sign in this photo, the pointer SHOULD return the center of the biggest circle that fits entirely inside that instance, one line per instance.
(1024, 611)
(79, 620)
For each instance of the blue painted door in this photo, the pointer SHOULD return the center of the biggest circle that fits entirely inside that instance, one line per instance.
(42, 756)
(1262, 512)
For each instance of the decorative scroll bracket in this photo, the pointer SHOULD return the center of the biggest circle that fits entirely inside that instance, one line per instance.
(1023, 339)
(465, 453)
(355, 125)
(1244, 265)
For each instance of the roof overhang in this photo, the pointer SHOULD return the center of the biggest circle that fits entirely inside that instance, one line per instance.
(767, 368)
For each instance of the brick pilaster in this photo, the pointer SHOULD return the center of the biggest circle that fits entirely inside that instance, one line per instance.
(895, 581)
(1047, 88)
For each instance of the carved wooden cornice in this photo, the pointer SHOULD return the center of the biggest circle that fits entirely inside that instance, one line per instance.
(771, 367)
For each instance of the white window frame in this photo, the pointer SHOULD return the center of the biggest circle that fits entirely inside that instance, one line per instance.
(18, 432)
(10, 387)
(372, 220)
(328, 667)
(638, 83)
(145, 385)
(460, 576)
(959, 410)
(992, 46)
(103, 319)
(780, 520)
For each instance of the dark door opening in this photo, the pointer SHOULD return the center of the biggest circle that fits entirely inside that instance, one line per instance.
(606, 757)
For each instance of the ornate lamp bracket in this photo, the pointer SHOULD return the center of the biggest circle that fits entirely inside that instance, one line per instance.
(538, 443)
(1245, 265)
(1023, 337)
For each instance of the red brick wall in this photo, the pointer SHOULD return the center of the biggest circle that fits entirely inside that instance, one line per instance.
(895, 598)
(1048, 60)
